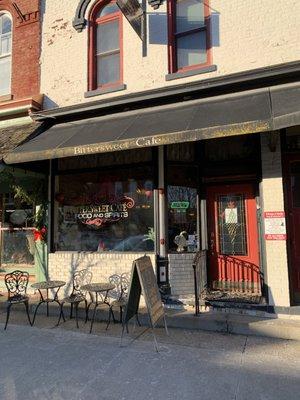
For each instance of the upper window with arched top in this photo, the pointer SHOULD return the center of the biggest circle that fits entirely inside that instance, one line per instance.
(5, 53)
(105, 47)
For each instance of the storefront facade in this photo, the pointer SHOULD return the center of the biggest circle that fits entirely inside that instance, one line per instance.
(173, 150)
(170, 193)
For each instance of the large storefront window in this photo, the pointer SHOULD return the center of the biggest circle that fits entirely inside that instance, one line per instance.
(107, 210)
(21, 195)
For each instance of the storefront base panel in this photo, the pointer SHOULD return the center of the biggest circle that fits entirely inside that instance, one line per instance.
(181, 274)
(239, 286)
(62, 266)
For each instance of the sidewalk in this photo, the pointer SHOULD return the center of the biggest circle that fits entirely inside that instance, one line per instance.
(50, 363)
(225, 322)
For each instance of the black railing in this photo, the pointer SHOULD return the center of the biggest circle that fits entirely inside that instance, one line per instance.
(200, 277)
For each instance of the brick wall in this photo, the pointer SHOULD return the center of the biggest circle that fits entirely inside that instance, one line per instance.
(271, 190)
(25, 47)
(63, 264)
(181, 274)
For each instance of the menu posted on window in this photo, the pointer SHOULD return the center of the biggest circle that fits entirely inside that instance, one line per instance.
(275, 227)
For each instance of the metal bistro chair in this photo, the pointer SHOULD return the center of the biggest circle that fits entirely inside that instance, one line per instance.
(16, 283)
(80, 278)
(120, 293)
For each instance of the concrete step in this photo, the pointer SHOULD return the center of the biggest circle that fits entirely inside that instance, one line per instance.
(281, 328)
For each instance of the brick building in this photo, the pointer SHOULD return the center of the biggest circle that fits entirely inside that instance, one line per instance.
(19, 96)
(172, 133)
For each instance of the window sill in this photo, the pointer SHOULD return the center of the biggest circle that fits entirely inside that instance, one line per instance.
(6, 97)
(98, 92)
(192, 72)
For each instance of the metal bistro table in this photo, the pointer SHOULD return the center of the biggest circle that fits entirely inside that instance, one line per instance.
(47, 285)
(100, 289)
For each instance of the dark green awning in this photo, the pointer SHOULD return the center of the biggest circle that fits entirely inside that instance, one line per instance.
(246, 112)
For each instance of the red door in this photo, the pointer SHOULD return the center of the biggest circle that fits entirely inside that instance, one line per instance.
(292, 169)
(233, 256)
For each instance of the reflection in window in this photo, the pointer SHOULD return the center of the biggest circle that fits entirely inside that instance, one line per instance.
(5, 53)
(17, 247)
(189, 36)
(112, 212)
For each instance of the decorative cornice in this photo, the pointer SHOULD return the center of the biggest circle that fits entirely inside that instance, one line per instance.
(25, 18)
(79, 21)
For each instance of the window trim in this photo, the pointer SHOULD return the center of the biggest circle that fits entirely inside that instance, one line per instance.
(172, 51)
(92, 44)
(9, 55)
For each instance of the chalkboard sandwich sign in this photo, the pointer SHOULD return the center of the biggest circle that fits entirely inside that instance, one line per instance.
(143, 280)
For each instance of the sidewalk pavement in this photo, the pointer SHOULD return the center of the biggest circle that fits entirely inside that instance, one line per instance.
(216, 321)
(64, 363)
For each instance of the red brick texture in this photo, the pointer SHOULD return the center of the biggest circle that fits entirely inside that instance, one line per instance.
(25, 47)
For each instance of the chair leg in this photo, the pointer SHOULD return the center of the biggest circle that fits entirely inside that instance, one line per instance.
(27, 311)
(86, 311)
(61, 314)
(71, 311)
(113, 315)
(121, 314)
(137, 319)
(109, 316)
(76, 314)
(7, 314)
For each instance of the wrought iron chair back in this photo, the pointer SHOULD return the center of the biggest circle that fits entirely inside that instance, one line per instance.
(116, 281)
(125, 282)
(80, 278)
(16, 283)
(121, 283)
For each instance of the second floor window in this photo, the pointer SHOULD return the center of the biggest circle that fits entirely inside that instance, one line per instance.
(189, 34)
(105, 46)
(5, 53)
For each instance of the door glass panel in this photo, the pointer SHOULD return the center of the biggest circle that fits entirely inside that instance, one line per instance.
(232, 225)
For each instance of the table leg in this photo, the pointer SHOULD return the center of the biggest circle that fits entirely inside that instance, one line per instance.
(35, 311)
(93, 318)
(60, 305)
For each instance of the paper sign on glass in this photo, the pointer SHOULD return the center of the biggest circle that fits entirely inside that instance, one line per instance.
(231, 216)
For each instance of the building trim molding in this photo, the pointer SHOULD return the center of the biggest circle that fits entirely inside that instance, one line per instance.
(80, 21)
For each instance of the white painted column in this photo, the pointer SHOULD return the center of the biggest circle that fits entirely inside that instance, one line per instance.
(272, 199)
(161, 202)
